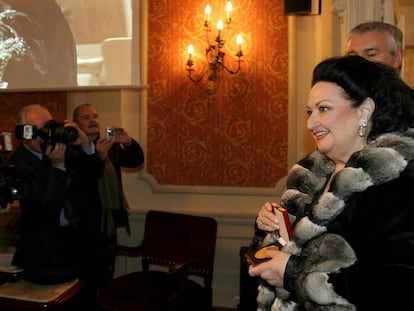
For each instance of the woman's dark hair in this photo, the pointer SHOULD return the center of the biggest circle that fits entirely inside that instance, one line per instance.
(360, 78)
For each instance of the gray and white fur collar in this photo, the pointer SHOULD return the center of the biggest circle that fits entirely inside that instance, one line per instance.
(380, 161)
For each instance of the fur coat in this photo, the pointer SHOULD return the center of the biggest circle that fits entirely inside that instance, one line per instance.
(313, 210)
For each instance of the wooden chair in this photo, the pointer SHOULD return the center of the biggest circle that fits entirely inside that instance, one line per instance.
(185, 245)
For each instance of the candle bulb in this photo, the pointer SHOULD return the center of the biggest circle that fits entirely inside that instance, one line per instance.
(190, 55)
(190, 51)
(229, 7)
(220, 28)
(239, 41)
(207, 10)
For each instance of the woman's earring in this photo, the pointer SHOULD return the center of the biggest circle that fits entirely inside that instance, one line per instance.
(362, 127)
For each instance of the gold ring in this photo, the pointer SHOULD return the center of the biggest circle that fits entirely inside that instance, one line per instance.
(259, 222)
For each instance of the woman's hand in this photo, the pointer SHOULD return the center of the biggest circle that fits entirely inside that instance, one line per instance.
(266, 219)
(273, 270)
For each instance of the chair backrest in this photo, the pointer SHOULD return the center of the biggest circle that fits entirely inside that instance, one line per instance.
(171, 238)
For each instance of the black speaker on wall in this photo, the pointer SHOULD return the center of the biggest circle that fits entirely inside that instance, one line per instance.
(302, 7)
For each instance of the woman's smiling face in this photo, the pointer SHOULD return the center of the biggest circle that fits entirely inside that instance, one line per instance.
(333, 122)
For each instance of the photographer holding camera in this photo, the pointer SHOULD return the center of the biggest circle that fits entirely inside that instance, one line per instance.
(60, 225)
(117, 149)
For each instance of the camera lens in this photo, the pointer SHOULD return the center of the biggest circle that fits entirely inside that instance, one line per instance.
(66, 134)
(55, 132)
(71, 134)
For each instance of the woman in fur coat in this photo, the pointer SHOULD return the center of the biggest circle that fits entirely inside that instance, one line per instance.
(351, 202)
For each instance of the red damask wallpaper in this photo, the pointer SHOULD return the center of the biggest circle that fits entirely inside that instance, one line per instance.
(12, 103)
(238, 136)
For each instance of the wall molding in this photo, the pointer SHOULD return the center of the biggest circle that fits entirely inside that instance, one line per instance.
(191, 189)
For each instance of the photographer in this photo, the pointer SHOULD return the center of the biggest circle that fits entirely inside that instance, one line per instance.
(116, 150)
(59, 238)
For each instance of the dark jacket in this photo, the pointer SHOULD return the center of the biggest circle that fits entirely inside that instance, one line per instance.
(378, 224)
(126, 156)
(48, 251)
(358, 236)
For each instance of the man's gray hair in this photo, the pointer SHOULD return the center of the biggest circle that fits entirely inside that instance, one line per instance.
(395, 34)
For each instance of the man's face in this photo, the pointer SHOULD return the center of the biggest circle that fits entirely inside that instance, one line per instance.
(374, 46)
(37, 117)
(88, 121)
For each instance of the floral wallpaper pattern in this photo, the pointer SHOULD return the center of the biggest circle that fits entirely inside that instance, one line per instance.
(12, 103)
(238, 136)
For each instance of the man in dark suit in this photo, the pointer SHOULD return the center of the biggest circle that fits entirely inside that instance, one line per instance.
(60, 236)
(116, 150)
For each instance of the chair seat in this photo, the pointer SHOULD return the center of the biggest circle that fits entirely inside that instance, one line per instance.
(150, 291)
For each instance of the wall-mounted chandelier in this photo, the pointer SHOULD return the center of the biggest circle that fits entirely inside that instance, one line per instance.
(215, 51)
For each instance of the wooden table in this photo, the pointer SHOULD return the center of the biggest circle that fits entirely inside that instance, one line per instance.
(24, 295)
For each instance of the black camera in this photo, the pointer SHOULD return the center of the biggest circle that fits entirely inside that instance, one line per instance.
(53, 132)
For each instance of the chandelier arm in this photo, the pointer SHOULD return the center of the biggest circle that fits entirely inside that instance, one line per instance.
(195, 79)
(230, 71)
